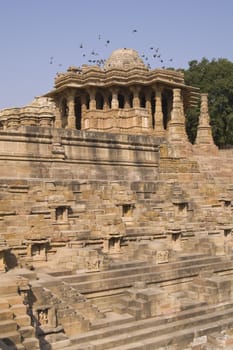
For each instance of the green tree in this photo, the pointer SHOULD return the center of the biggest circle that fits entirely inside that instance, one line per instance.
(215, 78)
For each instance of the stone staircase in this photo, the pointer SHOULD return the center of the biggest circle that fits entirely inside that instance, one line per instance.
(126, 277)
(70, 296)
(70, 320)
(144, 314)
(177, 330)
(16, 331)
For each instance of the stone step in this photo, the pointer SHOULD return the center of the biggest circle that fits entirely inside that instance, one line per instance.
(188, 303)
(119, 308)
(31, 344)
(135, 311)
(4, 304)
(126, 265)
(12, 347)
(19, 309)
(112, 319)
(194, 256)
(57, 341)
(23, 320)
(127, 301)
(102, 275)
(15, 299)
(127, 280)
(178, 339)
(27, 332)
(216, 321)
(153, 322)
(6, 289)
(11, 338)
(7, 326)
(182, 338)
(5, 314)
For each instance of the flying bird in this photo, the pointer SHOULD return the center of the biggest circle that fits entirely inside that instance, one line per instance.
(134, 30)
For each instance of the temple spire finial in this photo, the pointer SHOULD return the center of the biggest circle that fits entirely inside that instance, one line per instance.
(204, 139)
(204, 132)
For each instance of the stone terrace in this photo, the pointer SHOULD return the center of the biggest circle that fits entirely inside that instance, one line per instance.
(115, 231)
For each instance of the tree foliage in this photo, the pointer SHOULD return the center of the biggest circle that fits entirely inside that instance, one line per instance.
(215, 78)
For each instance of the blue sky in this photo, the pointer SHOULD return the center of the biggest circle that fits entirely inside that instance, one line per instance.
(42, 37)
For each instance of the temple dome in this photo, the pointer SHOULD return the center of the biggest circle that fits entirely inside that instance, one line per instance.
(124, 59)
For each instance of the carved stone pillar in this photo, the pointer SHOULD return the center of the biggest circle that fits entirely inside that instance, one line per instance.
(136, 99)
(204, 118)
(127, 101)
(176, 129)
(71, 110)
(92, 99)
(106, 104)
(177, 108)
(149, 108)
(114, 103)
(204, 137)
(159, 128)
(58, 114)
(83, 104)
(148, 101)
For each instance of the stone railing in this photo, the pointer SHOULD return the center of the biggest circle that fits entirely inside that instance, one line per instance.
(131, 120)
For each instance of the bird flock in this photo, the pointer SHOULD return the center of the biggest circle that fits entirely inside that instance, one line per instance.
(150, 56)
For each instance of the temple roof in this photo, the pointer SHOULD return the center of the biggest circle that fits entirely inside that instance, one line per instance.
(124, 67)
(124, 59)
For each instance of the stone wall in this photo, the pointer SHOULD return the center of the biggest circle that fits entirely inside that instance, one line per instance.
(34, 152)
(63, 188)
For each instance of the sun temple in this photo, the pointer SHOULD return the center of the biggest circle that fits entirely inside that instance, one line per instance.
(115, 231)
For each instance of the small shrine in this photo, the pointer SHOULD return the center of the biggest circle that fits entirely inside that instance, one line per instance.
(122, 96)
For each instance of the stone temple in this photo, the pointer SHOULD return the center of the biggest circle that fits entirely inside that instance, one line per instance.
(115, 231)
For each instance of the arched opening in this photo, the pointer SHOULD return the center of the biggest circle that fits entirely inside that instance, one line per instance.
(64, 113)
(142, 99)
(99, 101)
(78, 113)
(61, 213)
(121, 101)
(127, 209)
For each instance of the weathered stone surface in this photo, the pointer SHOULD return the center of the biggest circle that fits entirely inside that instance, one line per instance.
(115, 231)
